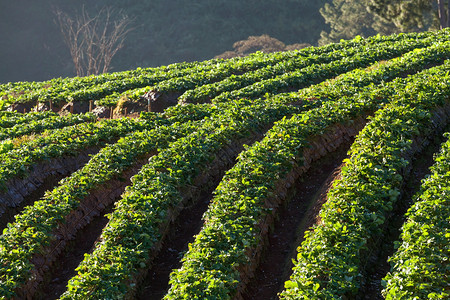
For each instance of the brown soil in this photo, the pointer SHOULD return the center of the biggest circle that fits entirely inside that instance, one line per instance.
(47, 181)
(164, 101)
(300, 212)
(50, 182)
(75, 107)
(188, 224)
(64, 269)
(63, 266)
(21, 107)
(180, 234)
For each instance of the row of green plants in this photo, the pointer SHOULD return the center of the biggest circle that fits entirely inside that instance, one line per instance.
(51, 122)
(17, 89)
(366, 55)
(12, 118)
(56, 143)
(199, 79)
(206, 92)
(45, 215)
(27, 86)
(111, 85)
(229, 68)
(136, 225)
(352, 82)
(96, 87)
(19, 154)
(121, 157)
(88, 273)
(330, 260)
(114, 90)
(34, 231)
(420, 264)
(211, 267)
(61, 88)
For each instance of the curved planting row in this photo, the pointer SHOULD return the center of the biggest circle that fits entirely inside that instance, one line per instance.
(330, 260)
(354, 81)
(363, 57)
(51, 122)
(206, 92)
(216, 82)
(182, 153)
(230, 87)
(199, 77)
(65, 89)
(111, 89)
(130, 240)
(225, 253)
(20, 156)
(59, 142)
(349, 83)
(56, 86)
(420, 265)
(75, 289)
(30, 244)
(73, 201)
(25, 167)
(18, 88)
(9, 118)
(231, 68)
(110, 162)
(112, 86)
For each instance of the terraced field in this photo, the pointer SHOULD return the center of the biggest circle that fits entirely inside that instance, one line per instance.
(293, 175)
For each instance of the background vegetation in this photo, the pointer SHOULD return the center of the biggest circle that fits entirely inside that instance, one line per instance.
(168, 31)
(165, 31)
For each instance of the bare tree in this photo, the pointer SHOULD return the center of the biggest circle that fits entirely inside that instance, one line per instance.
(93, 41)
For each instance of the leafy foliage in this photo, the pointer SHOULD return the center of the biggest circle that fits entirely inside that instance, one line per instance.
(406, 15)
(362, 77)
(147, 206)
(330, 260)
(44, 124)
(420, 264)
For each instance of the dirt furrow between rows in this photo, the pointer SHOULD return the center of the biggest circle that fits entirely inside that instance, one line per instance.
(182, 232)
(378, 266)
(189, 221)
(77, 236)
(41, 178)
(64, 267)
(298, 213)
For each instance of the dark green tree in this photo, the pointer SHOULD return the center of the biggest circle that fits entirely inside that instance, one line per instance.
(412, 15)
(348, 18)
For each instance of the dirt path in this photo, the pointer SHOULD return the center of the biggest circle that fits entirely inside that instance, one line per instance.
(294, 218)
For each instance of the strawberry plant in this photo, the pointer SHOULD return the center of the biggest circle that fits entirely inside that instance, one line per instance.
(420, 264)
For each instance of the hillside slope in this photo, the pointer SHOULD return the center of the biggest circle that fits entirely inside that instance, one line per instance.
(305, 161)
